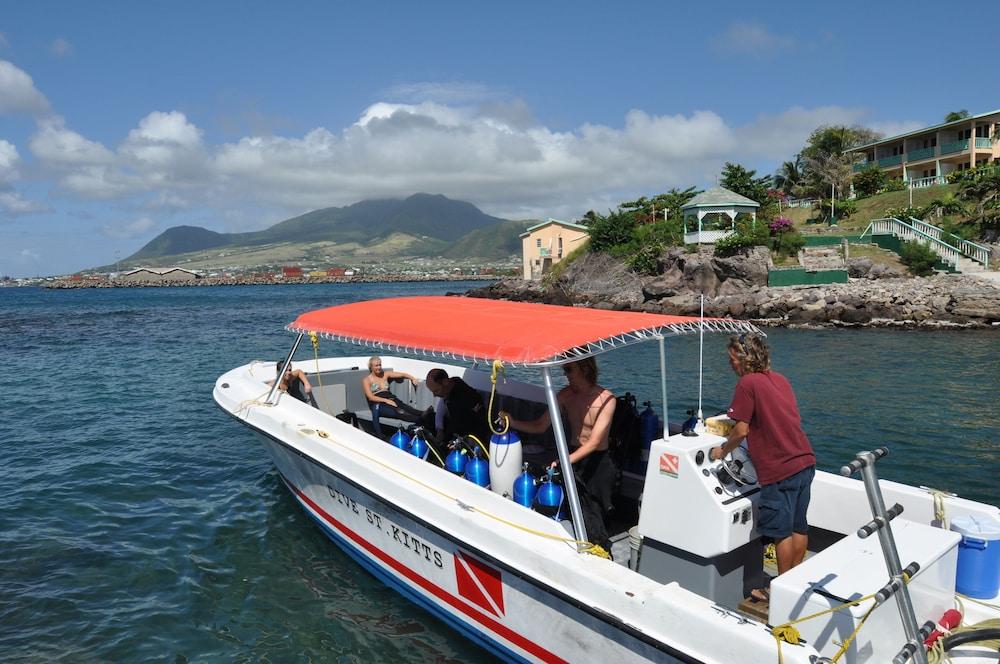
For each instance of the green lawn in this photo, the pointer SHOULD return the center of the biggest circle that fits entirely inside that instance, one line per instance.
(868, 209)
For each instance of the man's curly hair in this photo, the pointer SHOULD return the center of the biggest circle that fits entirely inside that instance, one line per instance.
(752, 351)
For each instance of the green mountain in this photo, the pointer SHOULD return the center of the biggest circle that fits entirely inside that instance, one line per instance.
(496, 241)
(429, 219)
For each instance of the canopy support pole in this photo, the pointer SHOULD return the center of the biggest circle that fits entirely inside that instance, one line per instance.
(663, 386)
(288, 358)
(569, 479)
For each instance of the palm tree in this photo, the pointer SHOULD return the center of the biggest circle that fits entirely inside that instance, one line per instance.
(948, 204)
(789, 176)
(954, 116)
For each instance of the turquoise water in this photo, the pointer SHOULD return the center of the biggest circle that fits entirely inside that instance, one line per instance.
(140, 523)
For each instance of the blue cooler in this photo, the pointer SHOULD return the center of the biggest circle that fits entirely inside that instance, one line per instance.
(978, 556)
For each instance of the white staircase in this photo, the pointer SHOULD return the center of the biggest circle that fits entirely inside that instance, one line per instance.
(964, 256)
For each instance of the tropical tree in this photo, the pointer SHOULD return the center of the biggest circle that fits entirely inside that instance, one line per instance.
(824, 161)
(981, 187)
(944, 205)
(789, 176)
(869, 181)
(954, 116)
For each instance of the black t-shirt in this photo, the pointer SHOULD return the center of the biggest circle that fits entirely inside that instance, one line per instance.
(466, 412)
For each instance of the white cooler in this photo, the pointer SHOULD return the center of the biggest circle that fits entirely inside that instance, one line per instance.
(853, 568)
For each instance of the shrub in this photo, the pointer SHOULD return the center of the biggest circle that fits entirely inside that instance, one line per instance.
(894, 184)
(731, 244)
(790, 243)
(918, 258)
(780, 225)
(608, 233)
(869, 181)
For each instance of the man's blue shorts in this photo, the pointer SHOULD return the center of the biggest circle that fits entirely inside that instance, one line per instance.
(782, 506)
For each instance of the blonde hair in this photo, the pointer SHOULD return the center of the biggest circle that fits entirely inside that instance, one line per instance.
(372, 360)
(752, 352)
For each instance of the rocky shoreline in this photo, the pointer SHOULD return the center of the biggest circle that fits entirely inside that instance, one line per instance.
(736, 287)
(257, 281)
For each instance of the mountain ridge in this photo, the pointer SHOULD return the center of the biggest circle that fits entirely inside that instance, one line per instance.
(421, 224)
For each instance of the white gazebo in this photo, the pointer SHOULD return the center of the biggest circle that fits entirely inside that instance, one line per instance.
(712, 215)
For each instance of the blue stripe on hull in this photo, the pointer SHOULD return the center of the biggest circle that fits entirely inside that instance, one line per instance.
(388, 579)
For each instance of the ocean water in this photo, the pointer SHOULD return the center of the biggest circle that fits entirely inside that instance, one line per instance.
(140, 523)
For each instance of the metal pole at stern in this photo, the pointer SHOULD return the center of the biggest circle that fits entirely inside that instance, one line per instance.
(569, 479)
(277, 379)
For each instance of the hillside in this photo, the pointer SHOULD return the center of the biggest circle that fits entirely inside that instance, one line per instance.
(420, 225)
(873, 207)
(493, 242)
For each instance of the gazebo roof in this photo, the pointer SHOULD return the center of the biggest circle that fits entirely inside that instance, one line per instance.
(719, 197)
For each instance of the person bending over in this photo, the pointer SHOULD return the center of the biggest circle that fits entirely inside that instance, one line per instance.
(460, 409)
(767, 415)
(589, 410)
(384, 403)
(294, 382)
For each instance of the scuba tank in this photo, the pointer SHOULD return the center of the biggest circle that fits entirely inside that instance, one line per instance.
(419, 447)
(477, 470)
(649, 430)
(688, 428)
(549, 499)
(525, 487)
(505, 461)
(401, 440)
(457, 459)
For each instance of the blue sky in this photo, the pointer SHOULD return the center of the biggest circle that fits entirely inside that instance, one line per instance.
(119, 120)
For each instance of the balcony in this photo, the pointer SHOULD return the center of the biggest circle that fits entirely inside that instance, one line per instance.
(984, 143)
(544, 253)
(917, 155)
(886, 162)
(955, 146)
(860, 166)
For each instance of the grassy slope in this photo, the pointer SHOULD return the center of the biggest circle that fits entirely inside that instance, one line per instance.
(868, 209)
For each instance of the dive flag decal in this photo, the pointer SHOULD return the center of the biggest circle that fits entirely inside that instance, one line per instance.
(479, 583)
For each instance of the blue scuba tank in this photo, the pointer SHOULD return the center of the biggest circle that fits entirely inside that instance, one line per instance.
(648, 429)
(456, 460)
(419, 447)
(477, 470)
(525, 487)
(401, 440)
(549, 499)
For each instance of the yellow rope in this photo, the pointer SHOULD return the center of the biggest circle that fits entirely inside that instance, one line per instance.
(314, 338)
(789, 634)
(485, 451)
(497, 369)
(582, 546)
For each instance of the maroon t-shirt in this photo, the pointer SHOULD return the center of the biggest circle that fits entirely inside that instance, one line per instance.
(778, 446)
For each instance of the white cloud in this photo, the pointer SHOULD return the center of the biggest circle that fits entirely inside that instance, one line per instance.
(750, 38)
(30, 255)
(3, 41)
(57, 145)
(128, 229)
(9, 159)
(458, 92)
(12, 203)
(61, 48)
(494, 155)
(18, 93)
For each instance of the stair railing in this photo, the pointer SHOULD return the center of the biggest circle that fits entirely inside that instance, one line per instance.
(970, 250)
(905, 231)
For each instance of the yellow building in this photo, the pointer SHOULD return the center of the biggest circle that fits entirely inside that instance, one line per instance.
(924, 157)
(545, 244)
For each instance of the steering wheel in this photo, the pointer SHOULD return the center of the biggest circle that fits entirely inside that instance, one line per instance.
(737, 467)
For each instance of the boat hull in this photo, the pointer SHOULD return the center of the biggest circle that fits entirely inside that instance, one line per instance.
(509, 614)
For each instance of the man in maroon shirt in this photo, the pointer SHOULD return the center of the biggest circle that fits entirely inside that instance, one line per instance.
(767, 415)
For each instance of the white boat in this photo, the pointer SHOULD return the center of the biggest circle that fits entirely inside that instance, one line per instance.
(528, 587)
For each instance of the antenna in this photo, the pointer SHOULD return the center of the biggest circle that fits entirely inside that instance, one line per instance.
(700, 426)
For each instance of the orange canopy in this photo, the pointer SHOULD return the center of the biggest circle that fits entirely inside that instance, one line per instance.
(485, 330)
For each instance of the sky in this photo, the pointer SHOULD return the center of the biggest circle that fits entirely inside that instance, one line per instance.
(119, 120)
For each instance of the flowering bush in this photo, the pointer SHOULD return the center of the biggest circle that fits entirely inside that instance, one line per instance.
(780, 225)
